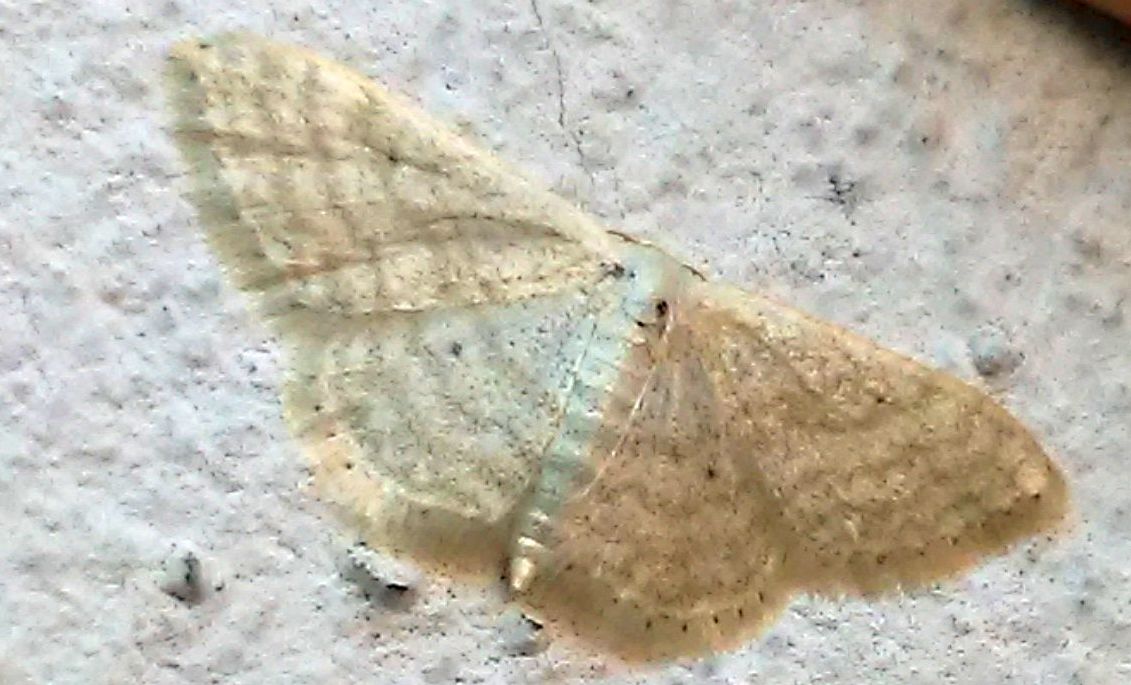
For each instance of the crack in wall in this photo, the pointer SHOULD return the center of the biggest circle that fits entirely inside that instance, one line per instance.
(562, 114)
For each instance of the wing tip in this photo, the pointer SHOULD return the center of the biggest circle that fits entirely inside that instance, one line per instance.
(1045, 512)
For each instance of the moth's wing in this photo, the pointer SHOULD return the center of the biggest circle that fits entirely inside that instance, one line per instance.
(324, 193)
(674, 546)
(751, 452)
(886, 473)
(429, 429)
(432, 303)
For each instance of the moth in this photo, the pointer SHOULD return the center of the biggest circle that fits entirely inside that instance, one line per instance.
(488, 382)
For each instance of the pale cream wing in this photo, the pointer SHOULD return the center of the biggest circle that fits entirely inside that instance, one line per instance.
(886, 473)
(324, 192)
(433, 304)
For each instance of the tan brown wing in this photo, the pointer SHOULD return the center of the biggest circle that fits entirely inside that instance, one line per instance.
(886, 473)
(767, 453)
(674, 547)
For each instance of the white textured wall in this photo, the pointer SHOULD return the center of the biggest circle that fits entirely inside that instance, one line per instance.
(951, 177)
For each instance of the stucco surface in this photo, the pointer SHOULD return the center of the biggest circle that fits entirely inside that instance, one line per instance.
(950, 178)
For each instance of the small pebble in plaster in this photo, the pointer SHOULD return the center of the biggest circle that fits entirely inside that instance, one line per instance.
(182, 576)
(520, 635)
(382, 581)
(655, 463)
(992, 353)
(841, 190)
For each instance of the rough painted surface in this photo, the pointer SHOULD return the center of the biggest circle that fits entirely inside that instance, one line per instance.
(956, 188)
